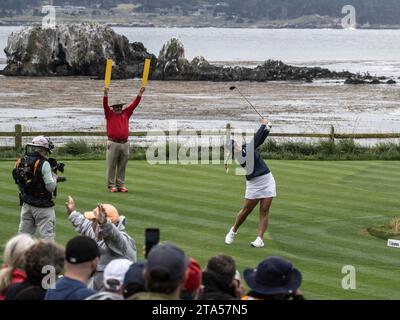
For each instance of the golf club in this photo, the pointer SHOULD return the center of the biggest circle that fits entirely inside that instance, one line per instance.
(233, 88)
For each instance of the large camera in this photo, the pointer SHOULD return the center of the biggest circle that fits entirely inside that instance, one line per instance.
(55, 167)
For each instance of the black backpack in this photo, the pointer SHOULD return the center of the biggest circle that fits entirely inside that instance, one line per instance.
(24, 173)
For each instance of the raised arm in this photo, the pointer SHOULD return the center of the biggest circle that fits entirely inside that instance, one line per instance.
(135, 103)
(107, 111)
(81, 225)
(114, 239)
(262, 133)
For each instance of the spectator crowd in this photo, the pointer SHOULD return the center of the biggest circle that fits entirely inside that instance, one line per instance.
(101, 264)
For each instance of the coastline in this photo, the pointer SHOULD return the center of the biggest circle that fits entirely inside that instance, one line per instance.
(213, 26)
(292, 106)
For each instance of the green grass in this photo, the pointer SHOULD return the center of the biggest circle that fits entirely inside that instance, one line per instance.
(317, 221)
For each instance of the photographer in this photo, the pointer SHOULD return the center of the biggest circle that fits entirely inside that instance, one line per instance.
(37, 182)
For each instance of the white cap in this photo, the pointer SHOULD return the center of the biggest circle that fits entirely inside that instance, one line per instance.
(114, 274)
(41, 141)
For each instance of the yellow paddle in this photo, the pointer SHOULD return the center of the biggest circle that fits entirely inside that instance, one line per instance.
(107, 78)
(146, 71)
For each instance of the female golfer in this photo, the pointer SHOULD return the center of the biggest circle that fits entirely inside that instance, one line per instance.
(260, 184)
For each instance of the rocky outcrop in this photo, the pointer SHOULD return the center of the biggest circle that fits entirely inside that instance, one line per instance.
(171, 60)
(172, 65)
(367, 79)
(77, 49)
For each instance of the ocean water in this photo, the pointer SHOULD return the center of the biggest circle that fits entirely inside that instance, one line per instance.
(375, 51)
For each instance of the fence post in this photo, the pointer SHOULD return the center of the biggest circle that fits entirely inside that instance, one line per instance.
(18, 136)
(332, 135)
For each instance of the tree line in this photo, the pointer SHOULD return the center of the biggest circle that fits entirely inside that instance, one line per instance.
(367, 11)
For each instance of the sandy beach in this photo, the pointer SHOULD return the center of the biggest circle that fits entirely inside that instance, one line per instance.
(75, 103)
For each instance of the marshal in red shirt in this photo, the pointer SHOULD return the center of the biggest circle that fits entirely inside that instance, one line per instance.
(118, 124)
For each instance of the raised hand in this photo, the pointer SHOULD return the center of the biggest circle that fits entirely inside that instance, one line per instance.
(100, 214)
(70, 205)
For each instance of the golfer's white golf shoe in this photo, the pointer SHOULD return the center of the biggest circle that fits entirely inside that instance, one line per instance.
(230, 237)
(258, 243)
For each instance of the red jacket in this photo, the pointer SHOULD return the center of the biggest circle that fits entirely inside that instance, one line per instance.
(118, 124)
(17, 276)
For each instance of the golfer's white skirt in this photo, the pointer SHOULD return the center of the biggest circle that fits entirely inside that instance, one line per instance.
(261, 187)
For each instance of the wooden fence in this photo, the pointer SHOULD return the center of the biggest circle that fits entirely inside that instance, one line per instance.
(17, 134)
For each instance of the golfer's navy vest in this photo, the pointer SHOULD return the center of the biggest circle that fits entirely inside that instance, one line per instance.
(259, 168)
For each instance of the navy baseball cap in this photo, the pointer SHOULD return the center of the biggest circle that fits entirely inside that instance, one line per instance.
(273, 275)
(81, 249)
(135, 275)
(167, 258)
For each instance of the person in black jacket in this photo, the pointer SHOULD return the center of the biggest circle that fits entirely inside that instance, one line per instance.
(260, 183)
(219, 279)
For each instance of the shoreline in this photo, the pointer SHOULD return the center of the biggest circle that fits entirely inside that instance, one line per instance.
(183, 26)
(47, 103)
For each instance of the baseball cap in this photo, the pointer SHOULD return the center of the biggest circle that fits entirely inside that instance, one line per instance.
(114, 273)
(135, 275)
(194, 278)
(111, 212)
(81, 249)
(43, 142)
(167, 258)
(273, 275)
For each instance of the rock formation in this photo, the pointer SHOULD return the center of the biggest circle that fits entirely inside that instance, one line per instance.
(77, 49)
(172, 65)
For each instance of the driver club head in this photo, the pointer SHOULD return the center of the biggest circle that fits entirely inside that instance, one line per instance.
(232, 88)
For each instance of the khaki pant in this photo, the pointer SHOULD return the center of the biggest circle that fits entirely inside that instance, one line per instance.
(42, 218)
(117, 159)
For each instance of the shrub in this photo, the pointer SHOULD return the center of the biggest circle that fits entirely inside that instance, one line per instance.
(271, 149)
(326, 147)
(390, 229)
(76, 147)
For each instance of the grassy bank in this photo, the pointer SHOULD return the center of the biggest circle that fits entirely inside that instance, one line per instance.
(322, 150)
(317, 220)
